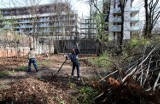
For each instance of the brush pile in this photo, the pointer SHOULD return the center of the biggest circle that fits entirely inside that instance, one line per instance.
(138, 83)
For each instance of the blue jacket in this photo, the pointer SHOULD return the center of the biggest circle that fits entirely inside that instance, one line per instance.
(74, 58)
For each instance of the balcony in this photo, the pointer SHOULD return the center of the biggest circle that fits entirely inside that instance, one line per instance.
(117, 20)
(117, 11)
(135, 28)
(115, 28)
(134, 19)
(134, 11)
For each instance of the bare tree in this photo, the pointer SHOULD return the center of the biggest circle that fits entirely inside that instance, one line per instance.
(156, 30)
(61, 23)
(152, 14)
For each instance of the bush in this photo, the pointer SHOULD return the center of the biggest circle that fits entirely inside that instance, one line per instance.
(103, 61)
(86, 95)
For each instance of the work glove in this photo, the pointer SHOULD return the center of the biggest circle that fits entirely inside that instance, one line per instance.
(67, 57)
(28, 59)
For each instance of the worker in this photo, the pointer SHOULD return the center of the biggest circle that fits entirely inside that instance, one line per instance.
(75, 62)
(32, 59)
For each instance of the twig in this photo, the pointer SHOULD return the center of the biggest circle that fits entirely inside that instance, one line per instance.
(155, 84)
(129, 74)
(98, 73)
(98, 96)
(133, 65)
(141, 78)
(147, 56)
(108, 76)
(147, 72)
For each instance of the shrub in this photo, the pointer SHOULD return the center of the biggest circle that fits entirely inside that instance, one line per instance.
(86, 95)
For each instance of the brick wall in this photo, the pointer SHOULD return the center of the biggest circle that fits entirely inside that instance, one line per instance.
(11, 52)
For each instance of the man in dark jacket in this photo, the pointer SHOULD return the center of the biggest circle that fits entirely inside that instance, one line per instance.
(75, 62)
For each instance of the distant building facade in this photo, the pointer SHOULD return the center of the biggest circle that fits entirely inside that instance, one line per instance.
(88, 28)
(131, 20)
(48, 24)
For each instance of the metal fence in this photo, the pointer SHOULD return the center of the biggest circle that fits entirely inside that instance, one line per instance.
(86, 46)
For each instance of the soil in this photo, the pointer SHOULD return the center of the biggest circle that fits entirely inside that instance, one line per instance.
(17, 86)
(39, 87)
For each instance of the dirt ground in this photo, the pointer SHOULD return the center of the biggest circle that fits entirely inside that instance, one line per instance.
(22, 84)
(17, 86)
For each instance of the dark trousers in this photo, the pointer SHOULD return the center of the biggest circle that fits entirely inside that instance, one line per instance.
(77, 66)
(32, 60)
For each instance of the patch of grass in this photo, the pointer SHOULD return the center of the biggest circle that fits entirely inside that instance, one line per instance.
(71, 85)
(21, 68)
(44, 63)
(41, 63)
(62, 102)
(4, 73)
(39, 77)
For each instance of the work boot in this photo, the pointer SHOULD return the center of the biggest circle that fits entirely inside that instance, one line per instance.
(37, 70)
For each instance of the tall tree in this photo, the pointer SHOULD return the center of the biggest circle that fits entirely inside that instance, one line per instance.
(122, 4)
(152, 14)
(101, 15)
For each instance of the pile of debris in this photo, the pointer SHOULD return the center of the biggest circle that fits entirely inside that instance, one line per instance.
(138, 83)
(33, 91)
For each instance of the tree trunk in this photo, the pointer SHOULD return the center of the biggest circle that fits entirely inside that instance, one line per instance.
(120, 40)
(146, 29)
(152, 14)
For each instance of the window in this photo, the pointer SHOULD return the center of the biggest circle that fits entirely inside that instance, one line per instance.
(6, 12)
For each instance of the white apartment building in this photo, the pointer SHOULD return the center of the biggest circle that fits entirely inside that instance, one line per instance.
(49, 24)
(88, 28)
(131, 20)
